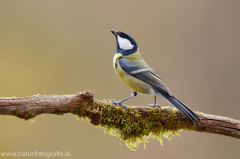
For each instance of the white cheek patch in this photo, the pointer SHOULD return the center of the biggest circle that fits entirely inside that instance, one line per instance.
(124, 44)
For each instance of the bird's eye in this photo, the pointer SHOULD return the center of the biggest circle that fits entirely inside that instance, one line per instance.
(122, 35)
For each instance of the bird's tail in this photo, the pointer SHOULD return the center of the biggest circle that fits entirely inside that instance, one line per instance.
(187, 112)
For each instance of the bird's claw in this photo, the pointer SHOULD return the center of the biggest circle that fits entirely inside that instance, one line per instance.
(154, 105)
(119, 103)
(113, 101)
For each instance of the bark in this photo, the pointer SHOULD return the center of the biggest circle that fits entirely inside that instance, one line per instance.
(29, 107)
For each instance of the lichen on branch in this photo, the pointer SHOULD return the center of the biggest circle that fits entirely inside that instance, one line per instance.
(134, 125)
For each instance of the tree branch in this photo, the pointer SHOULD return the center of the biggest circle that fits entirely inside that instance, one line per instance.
(138, 122)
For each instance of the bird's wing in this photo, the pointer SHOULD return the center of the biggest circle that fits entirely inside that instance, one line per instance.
(144, 74)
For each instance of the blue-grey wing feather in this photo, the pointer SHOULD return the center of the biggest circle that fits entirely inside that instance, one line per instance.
(146, 75)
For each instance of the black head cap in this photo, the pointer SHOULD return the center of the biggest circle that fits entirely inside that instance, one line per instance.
(125, 43)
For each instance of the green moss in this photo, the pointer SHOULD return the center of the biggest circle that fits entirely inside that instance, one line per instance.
(15, 111)
(89, 93)
(27, 115)
(134, 126)
(57, 114)
(80, 112)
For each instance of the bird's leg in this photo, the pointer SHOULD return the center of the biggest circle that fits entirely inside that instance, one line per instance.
(155, 103)
(134, 94)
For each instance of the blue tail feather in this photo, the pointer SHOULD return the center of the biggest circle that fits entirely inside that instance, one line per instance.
(185, 110)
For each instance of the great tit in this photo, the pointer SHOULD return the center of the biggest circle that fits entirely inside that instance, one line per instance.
(134, 72)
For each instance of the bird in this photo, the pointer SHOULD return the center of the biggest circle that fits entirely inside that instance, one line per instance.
(135, 73)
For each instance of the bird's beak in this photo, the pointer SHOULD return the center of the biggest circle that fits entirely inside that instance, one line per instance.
(114, 32)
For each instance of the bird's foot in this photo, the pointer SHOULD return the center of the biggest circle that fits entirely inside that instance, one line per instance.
(154, 105)
(119, 103)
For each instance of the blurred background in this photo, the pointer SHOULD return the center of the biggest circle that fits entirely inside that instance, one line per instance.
(65, 47)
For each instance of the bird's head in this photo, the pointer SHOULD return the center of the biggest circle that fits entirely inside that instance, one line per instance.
(126, 45)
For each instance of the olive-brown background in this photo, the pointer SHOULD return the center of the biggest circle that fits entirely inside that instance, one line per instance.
(65, 47)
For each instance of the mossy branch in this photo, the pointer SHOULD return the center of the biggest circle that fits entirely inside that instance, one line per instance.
(134, 126)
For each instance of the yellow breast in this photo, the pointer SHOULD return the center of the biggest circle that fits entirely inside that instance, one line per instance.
(135, 84)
